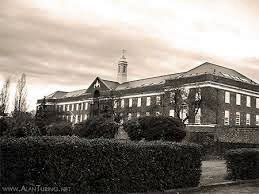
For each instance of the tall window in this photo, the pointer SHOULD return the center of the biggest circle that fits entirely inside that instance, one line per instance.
(237, 118)
(171, 113)
(122, 103)
(138, 114)
(81, 118)
(158, 100)
(248, 101)
(148, 101)
(77, 106)
(115, 104)
(198, 117)
(86, 105)
(139, 102)
(82, 106)
(248, 119)
(124, 69)
(85, 118)
(130, 102)
(257, 119)
(68, 107)
(227, 97)
(76, 121)
(129, 116)
(238, 99)
(257, 102)
(172, 96)
(226, 118)
(64, 107)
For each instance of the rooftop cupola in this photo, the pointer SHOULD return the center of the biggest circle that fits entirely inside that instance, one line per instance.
(122, 68)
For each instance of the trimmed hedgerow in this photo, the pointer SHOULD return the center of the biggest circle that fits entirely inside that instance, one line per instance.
(99, 165)
(97, 128)
(155, 128)
(242, 163)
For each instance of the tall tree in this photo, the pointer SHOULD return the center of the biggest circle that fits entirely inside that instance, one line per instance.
(4, 97)
(20, 104)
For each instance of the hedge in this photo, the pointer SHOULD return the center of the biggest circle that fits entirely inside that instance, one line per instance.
(153, 128)
(99, 165)
(242, 163)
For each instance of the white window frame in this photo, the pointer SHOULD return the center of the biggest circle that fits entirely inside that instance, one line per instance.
(77, 106)
(238, 99)
(76, 121)
(257, 120)
(257, 103)
(248, 119)
(158, 100)
(129, 116)
(238, 118)
(82, 106)
(68, 107)
(227, 97)
(139, 102)
(148, 102)
(248, 101)
(64, 107)
(138, 114)
(85, 118)
(86, 105)
(198, 117)
(130, 102)
(122, 103)
(115, 104)
(226, 117)
(171, 113)
(81, 117)
(72, 108)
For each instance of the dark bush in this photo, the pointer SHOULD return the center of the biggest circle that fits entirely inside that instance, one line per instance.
(3, 126)
(155, 128)
(99, 165)
(60, 128)
(97, 128)
(242, 163)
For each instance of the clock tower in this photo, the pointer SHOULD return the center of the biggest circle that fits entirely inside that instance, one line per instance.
(122, 68)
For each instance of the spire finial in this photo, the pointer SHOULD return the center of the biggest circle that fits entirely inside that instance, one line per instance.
(123, 53)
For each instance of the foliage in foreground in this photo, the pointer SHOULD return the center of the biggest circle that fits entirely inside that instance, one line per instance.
(99, 165)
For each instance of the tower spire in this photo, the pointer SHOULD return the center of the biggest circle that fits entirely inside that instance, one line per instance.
(122, 68)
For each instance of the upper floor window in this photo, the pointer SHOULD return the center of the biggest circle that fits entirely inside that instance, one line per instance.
(248, 101)
(115, 104)
(122, 103)
(139, 102)
(129, 116)
(64, 107)
(86, 105)
(77, 106)
(82, 106)
(130, 102)
(198, 117)
(238, 99)
(138, 114)
(171, 113)
(227, 97)
(158, 100)
(226, 118)
(237, 118)
(68, 107)
(247, 119)
(172, 97)
(148, 101)
(257, 102)
(124, 69)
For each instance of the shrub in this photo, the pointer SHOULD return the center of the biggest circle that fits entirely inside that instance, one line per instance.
(99, 165)
(155, 128)
(97, 128)
(242, 163)
(60, 128)
(3, 126)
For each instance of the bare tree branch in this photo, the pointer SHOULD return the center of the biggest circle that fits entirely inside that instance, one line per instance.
(4, 96)
(20, 104)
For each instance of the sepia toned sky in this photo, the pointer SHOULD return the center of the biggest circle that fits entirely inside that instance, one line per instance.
(65, 44)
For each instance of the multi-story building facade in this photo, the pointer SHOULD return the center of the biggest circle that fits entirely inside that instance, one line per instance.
(228, 98)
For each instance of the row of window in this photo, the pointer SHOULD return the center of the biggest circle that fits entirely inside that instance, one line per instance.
(148, 102)
(238, 99)
(75, 118)
(238, 118)
(72, 107)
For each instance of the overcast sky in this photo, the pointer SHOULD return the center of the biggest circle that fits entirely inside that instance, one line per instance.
(65, 44)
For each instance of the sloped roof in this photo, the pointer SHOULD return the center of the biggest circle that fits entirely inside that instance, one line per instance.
(75, 93)
(147, 82)
(111, 84)
(209, 68)
(57, 94)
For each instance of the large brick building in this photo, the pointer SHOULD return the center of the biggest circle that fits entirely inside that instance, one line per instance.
(228, 98)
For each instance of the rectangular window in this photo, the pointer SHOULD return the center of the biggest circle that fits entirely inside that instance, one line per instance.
(248, 119)
(257, 102)
(171, 113)
(115, 104)
(198, 117)
(257, 119)
(147, 113)
(81, 118)
(138, 114)
(67, 118)
(226, 118)
(157, 113)
(68, 107)
(148, 101)
(77, 106)
(71, 118)
(72, 108)
(227, 97)
(86, 105)
(64, 107)
(129, 116)
(85, 117)
(172, 97)
(130, 102)
(139, 102)
(82, 106)
(248, 101)
(237, 118)
(76, 121)
(122, 103)
(158, 100)
(238, 99)
(121, 118)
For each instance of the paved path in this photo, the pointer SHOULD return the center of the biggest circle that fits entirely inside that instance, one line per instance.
(213, 171)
